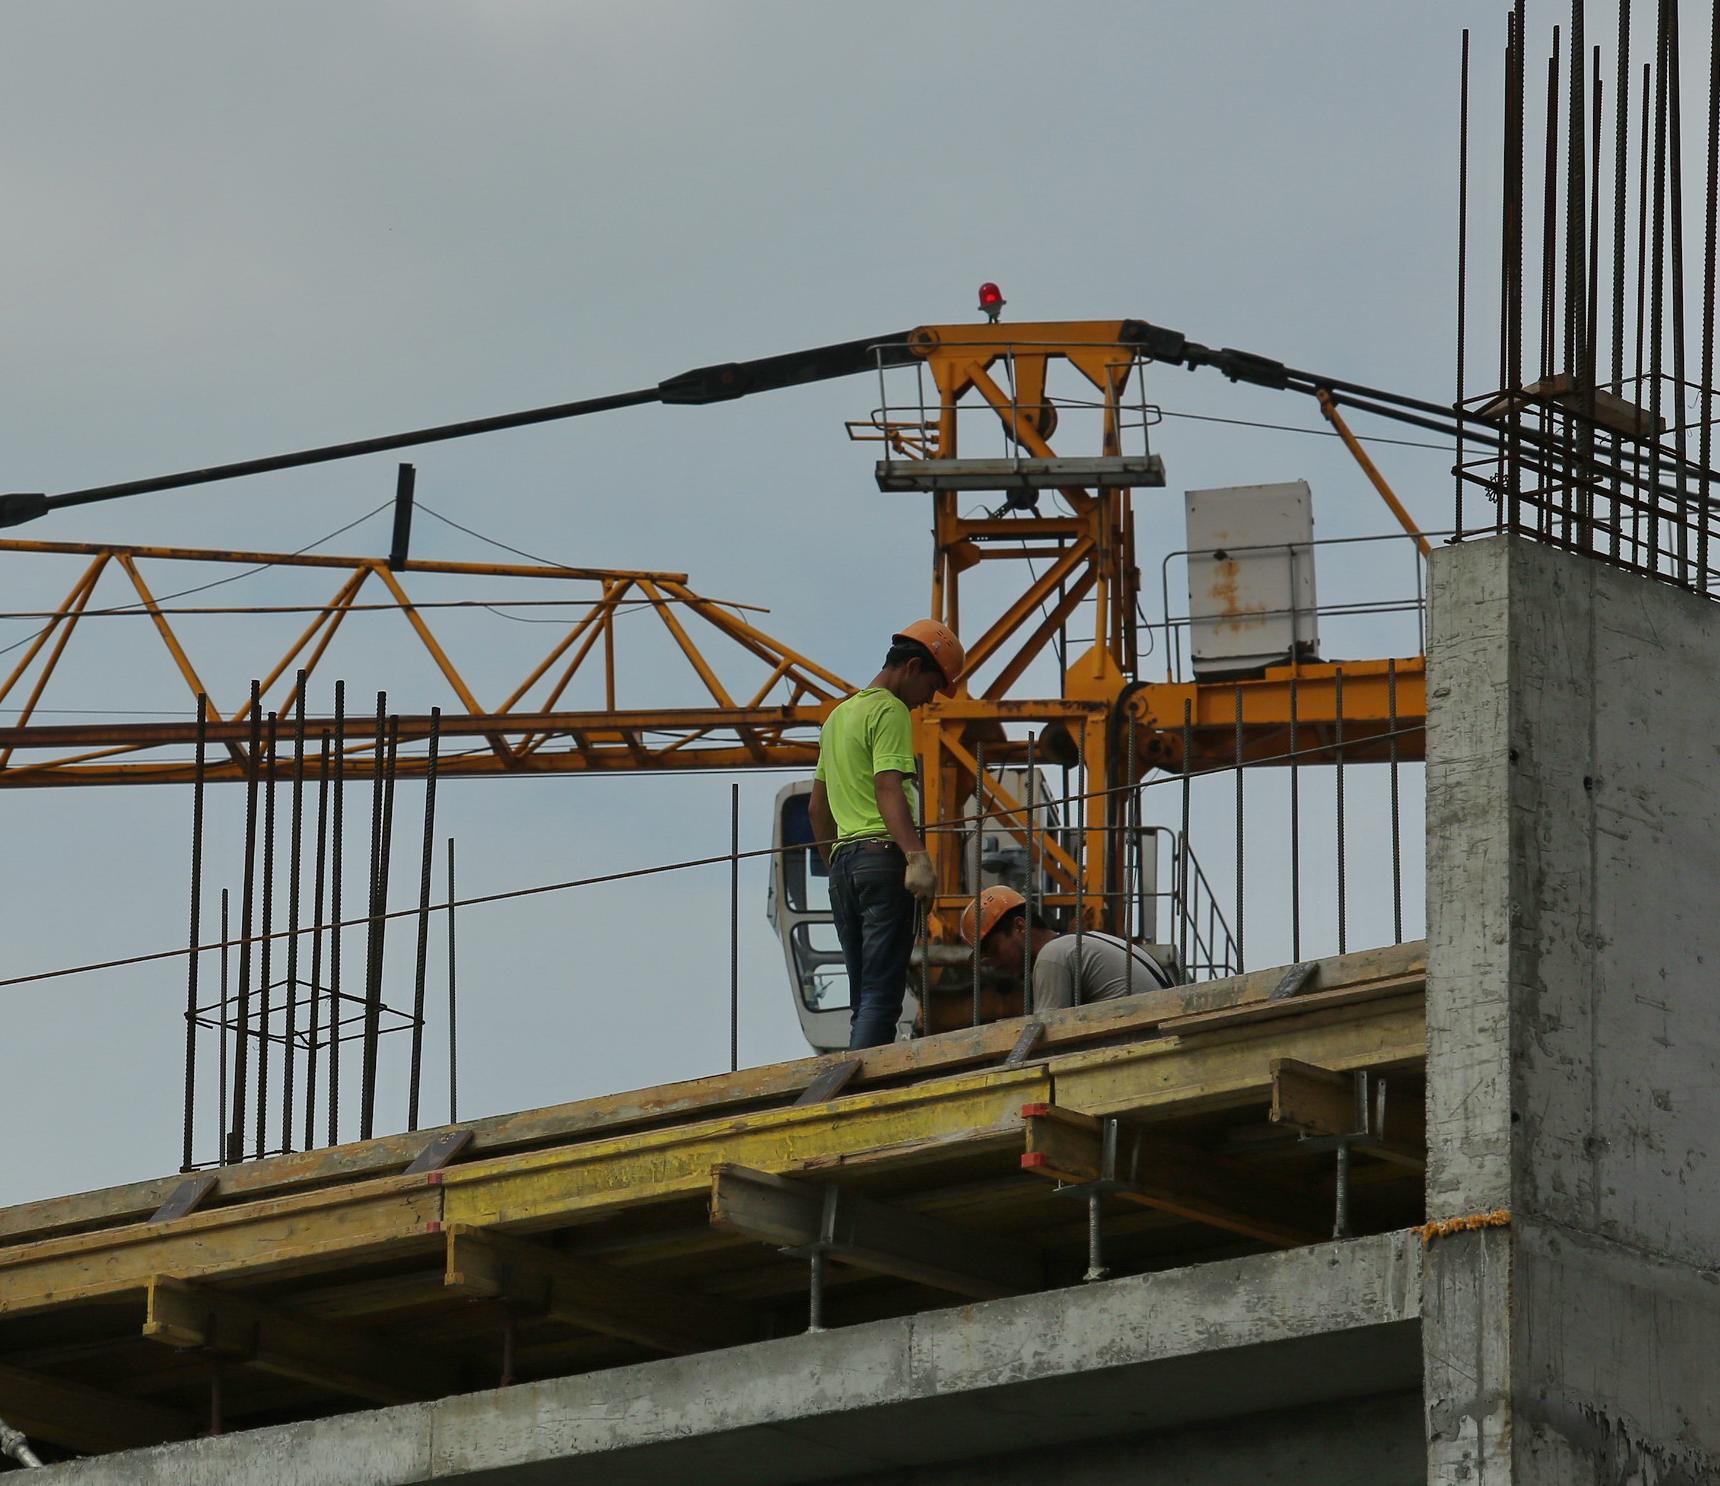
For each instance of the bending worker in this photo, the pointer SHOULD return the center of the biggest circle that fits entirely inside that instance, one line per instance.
(1068, 969)
(865, 810)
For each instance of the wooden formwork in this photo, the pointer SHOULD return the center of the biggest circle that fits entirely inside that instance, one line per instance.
(680, 1218)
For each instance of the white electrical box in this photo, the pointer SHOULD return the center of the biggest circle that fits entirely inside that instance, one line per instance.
(1250, 577)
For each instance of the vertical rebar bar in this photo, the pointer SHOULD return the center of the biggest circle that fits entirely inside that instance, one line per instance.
(241, 1048)
(453, 1002)
(1338, 787)
(1081, 863)
(1185, 886)
(314, 1035)
(1515, 305)
(735, 926)
(1462, 273)
(1241, 959)
(978, 852)
(423, 960)
(1657, 289)
(370, 1024)
(1704, 439)
(1621, 207)
(1131, 826)
(1576, 199)
(1295, 828)
(193, 959)
(336, 1015)
(1591, 319)
(1642, 276)
(1032, 883)
(379, 918)
(294, 877)
(221, 1038)
(1397, 819)
(1675, 174)
(265, 950)
(1549, 233)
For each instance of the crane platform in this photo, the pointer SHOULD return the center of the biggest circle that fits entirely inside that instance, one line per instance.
(1195, 1123)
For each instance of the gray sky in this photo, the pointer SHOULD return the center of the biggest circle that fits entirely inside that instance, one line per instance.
(233, 230)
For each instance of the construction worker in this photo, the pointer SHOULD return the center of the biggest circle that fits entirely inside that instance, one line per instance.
(1068, 969)
(865, 810)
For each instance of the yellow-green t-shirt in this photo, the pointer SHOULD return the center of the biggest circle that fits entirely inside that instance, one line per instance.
(869, 732)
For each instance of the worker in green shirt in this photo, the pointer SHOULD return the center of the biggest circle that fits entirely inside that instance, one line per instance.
(865, 809)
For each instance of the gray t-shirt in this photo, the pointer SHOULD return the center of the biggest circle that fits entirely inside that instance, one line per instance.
(1103, 971)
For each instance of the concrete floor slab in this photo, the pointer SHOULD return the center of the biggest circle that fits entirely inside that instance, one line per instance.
(1127, 1357)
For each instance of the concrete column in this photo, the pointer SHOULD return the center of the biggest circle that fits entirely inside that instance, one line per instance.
(1574, 1022)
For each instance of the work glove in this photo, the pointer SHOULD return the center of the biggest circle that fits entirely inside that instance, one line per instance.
(920, 879)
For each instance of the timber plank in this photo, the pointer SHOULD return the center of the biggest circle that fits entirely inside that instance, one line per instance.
(1229, 1068)
(284, 1236)
(753, 1087)
(542, 1187)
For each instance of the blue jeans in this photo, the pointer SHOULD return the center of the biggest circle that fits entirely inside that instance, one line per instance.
(875, 924)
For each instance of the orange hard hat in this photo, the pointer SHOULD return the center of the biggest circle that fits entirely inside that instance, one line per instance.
(946, 649)
(994, 903)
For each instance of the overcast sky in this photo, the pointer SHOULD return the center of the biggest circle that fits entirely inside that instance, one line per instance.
(231, 230)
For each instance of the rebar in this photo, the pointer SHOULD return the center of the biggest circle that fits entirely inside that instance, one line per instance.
(734, 926)
(336, 1015)
(1621, 207)
(294, 876)
(193, 959)
(221, 1038)
(313, 1038)
(1338, 783)
(1131, 825)
(1462, 270)
(1397, 821)
(379, 922)
(367, 1057)
(1031, 884)
(453, 1002)
(1081, 865)
(266, 949)
(423, 959)
(1184, 889)
(1675, 173)
(241, 1047)
(1295, 765)
(1705, 434)
(978, 853)
(1241, 960)
(1657, 288)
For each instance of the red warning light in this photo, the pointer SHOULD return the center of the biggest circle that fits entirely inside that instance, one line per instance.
(991, 301)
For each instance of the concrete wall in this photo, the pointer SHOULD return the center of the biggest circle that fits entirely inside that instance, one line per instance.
(1574, 1021)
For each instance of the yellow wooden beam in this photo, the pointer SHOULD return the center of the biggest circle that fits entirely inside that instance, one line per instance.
(87, 1420)
(1230, 1067)
(342, 1359)
(284, 1236)
(585, 1181)
(592, 1296)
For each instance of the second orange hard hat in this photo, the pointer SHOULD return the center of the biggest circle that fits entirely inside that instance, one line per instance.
(946, 649)
(994, 903)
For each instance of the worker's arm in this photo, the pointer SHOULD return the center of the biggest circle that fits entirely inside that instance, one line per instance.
(823, 822)
(893, 806)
